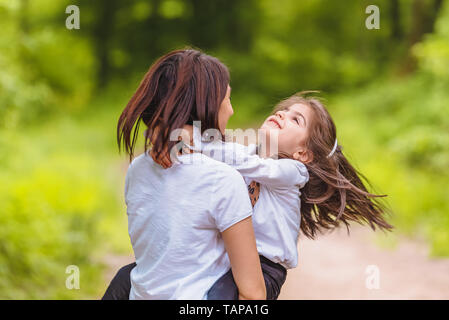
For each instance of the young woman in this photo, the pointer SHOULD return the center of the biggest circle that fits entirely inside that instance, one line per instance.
(192, 222)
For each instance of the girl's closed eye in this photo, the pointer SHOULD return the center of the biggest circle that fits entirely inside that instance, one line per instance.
(299, 121)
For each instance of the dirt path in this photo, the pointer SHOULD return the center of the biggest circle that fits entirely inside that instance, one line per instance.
(335, 266)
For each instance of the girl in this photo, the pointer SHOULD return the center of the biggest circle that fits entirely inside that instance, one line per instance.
(186, 229)
(333, 194)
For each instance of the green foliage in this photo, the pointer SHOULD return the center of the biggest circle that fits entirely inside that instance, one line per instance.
(61, 184)
(402, 151)
(398, 131)
(61, 205)
(433, 52)
(45, 69)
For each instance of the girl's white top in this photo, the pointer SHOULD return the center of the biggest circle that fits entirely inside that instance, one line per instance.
(276, 215)
(175, 217)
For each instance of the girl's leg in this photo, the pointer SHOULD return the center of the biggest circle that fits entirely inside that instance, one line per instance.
(274, 275)
(120, 286)
(226, 289)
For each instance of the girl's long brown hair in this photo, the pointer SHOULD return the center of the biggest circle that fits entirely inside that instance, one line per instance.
(181, 87)
(335, 192)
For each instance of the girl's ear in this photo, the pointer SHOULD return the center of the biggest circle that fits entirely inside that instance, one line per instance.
(303, 155)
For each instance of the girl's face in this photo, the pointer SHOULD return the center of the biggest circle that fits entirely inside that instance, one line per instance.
(292, 127)
(225, 111)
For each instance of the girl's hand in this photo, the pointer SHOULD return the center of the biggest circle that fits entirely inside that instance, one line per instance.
(164, 158)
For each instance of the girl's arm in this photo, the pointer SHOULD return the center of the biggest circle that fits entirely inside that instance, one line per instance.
(275, 173)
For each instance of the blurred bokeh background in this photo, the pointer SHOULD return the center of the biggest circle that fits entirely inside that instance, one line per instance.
(61, 92)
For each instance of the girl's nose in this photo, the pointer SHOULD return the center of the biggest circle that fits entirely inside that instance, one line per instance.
(280, 114)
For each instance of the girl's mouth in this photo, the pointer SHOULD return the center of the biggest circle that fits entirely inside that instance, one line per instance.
(275, 123)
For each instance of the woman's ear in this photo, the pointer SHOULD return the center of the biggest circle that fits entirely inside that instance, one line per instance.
(303, 155)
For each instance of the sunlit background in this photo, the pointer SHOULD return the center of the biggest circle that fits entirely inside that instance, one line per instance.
(61, 92)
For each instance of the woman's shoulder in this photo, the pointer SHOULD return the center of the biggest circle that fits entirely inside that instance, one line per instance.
(139, 160)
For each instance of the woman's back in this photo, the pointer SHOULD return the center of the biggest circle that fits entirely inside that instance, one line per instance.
(175, 217)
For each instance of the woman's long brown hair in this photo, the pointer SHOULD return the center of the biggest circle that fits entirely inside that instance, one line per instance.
(335, 192)
(181, 87)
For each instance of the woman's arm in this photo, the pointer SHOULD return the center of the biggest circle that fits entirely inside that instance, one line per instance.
(241, 247)
(231, 211)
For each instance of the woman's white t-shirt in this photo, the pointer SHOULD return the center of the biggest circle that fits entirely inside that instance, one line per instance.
(175, 217)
